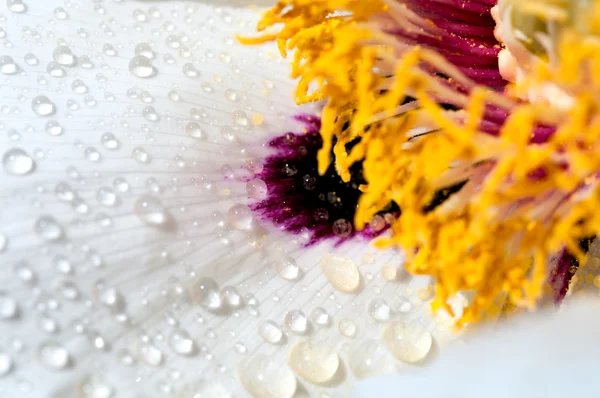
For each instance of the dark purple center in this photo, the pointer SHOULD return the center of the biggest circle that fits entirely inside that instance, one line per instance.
(299, 200)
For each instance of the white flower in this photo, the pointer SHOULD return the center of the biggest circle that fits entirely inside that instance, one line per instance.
(122, 275)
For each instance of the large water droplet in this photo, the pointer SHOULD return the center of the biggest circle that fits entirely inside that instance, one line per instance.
(17, 162)
(320, 317)
(92, 154)
(270, 332)
(262, 378)
(402, 305)
(231, 297)
(181, 343)
(6, 364)
(190, 70)
(141, 66)
(47, 228)
(109, 141)
(379, 310)
(208, 295)
(314, 362)
(79, 87)
(150, 354)
(257, 189)
(31, 59)
(150, 210)
(60, 13)
(141, 155)
(408, 342)
(42, 106)
(194, 130)
(95, 386)
(107, 197)
(16, 6)
(288, 269)
(53, 355)
(64, 56)
(150, 114)
(347, 327)
(9, 308)
(240, 216)
(8, 65)
(55, 69)
(296, 321)
(368, 359)
(54, 128)
(341, 272)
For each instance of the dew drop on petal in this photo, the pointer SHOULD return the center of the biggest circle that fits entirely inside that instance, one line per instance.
(17, 162)
(9, 308)
(109, 141)
(231, 297)
(208, 294)
(95, 386)
(6, 364)
(408, 342)
(296, 322)
(240, 217)
(270, 332)
(8, 65)
(47, 228)
(60, 13)
(55, 69)
(150, 354)
(181, 343)
(190, 70)
(16, 6)
(64, 56)
(368, 359)
(288, 269)
(379, 310)
(256, 189)
(31, 59)
(53, 355)
(402, 305)
(42, 106)
(194, 130)
(320, 317)
(347, 327)
(140, 154)
(341, 272)
(150, 210)
(145, 50)
(141, 66)
(317, 363)
(263, 378)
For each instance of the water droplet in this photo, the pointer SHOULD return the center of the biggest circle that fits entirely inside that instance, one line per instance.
(112, 299)
(121, 184)
(141, 66)
(270, 332)
(109, 141)
(47, 228)
(402, 305)
(379, 310)
(231, 95)
(31, 59)
(320, 317)
(368, 359)
(60, 13)
(85, 62)
(288, 269)
(190, 70)
(314, 362)
(207, 294)
(150, 354)
(16, 6)
(150, 114)
(64, 56)
(240, 348)
(231, 297)
(6, 364)
(53, 355)
(174, 96)
(341, 272)
(69, 290)
(240, 118)
(150, 210)
(48, 325)
(342, 228)
(64, 192)
(257, 189)
(55, 69)
(109, 50)
(408, 342)
(79, 87)
(262, 378)
(296, 321)
(347, 328)
(17, 162)
(94, 386)
(9, 308)
(194, 130)
(240, 217)
(140, 15)
(42, 106)
(8, 65)
(181, 343)
(145, 50)
(141, 155)
(92, 154)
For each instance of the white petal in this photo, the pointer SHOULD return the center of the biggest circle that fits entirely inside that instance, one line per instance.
(103, 281)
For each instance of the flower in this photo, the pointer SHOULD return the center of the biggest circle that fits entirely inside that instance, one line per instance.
(132, 135)
(416, 88)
